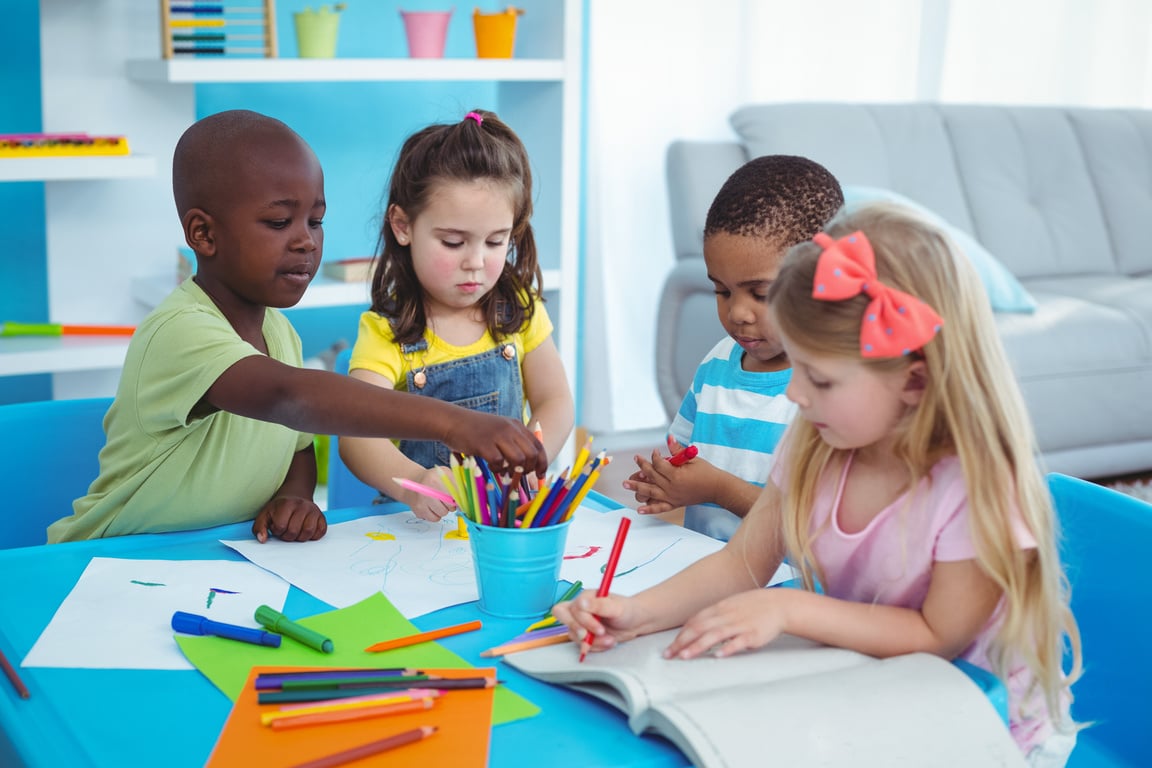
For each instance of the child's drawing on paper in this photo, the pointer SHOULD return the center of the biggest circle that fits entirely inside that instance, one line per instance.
(122, 610)
(412, 561)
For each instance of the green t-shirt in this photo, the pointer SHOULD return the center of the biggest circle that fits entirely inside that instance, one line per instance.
(168, 464)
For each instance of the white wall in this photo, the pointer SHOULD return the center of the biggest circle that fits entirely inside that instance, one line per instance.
(660, 70)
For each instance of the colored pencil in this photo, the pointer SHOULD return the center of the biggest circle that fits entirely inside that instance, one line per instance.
(609, 572)
(270, 681)
(371, 748)
(371, 699)
(424, 637)
(352, 682)
(549, 619)
(525, 645)
(445, 684)
(14, 678)
(537, 633)
(424, 490)
(346, 715)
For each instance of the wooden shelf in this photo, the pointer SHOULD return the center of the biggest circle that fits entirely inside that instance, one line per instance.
(236, 70)
(76, 168)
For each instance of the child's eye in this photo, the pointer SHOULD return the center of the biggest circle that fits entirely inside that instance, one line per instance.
(495, 243)
(722, 292)
(316, 223)
(819, 384)
(278, 223)
(451, 244)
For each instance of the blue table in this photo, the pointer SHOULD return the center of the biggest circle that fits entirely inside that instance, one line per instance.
(125, 718)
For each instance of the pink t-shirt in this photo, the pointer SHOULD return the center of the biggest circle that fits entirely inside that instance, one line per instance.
(890, 562)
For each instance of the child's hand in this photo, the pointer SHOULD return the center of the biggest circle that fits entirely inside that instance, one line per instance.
(738, 623)
(609, 619)
(422, 506)
(290, 518)
(502, 442)
(660, 487)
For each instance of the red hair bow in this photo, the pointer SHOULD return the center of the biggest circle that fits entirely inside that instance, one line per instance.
(895, 323)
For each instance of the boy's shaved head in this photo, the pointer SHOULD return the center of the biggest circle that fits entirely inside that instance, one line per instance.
(782, 198)
(214, 149)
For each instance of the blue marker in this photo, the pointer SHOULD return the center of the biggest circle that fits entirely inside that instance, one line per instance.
(191, 624)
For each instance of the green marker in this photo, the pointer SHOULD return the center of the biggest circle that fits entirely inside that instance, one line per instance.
(278, 622)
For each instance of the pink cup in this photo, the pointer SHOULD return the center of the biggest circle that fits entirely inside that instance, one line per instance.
(426, 31)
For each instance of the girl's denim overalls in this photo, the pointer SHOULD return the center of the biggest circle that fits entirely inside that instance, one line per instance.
(489, 382)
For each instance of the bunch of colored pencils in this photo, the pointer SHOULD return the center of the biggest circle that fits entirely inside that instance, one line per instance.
(508, 501)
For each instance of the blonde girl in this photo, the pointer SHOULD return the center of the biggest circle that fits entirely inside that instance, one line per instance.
(457, 312)
(907, 489)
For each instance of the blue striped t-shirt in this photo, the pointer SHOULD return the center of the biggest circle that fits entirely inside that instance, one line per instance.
(735, 418)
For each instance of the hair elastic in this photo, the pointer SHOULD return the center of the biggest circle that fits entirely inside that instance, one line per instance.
(475, 116)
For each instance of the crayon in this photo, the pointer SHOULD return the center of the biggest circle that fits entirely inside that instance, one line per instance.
(278, 622)
(423, 637)
(191, 624)
(609, 572)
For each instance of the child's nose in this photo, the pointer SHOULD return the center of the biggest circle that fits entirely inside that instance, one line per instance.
(307, 239)
(742, 312)
(473, 259)
(793, 393)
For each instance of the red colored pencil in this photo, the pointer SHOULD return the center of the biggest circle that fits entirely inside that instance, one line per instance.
(371, 748)
(14, 677)
(609, 572)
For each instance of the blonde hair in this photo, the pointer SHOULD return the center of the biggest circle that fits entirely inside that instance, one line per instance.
(971, 407)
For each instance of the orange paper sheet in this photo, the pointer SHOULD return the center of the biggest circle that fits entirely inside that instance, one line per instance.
(464, 719)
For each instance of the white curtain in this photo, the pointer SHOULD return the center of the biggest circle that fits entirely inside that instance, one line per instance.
(660, 70)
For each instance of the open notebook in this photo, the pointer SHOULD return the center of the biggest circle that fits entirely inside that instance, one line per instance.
(791, 703)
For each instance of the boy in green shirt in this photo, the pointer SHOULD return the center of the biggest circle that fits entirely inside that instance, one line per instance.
(212, 416)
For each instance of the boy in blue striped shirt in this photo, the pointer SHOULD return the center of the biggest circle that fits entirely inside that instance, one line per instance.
(736, 410)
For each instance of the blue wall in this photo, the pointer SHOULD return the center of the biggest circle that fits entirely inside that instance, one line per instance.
(23, 259)
(355, 128)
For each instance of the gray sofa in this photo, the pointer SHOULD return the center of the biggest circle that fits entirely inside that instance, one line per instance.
(1062, 198)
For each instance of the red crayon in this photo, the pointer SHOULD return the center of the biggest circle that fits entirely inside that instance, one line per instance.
(683, 456)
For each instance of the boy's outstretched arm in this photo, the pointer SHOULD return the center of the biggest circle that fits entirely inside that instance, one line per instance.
(328, 403)
(291, 514)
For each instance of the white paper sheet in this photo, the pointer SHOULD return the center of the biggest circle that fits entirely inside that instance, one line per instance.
(653, 550)
(417, 564)
(119, 614)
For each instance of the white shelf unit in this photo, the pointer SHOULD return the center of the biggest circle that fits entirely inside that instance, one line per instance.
(76, 168)
(108, 238)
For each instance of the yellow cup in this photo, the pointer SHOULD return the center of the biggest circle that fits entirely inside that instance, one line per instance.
(495, 33)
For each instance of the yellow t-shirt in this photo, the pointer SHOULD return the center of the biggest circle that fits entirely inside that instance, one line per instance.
(376, 349)
(165, 466)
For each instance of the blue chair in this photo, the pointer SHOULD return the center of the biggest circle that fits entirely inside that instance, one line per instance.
(1106, 537)
(344, 488)
(49, 454)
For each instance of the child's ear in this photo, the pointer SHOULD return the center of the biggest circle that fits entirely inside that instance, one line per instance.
(401, 225)
(915, 382)
(197, 225)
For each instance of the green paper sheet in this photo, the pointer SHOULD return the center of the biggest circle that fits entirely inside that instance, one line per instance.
(227, 663)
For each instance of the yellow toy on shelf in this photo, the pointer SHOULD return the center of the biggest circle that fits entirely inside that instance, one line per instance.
(199, 28)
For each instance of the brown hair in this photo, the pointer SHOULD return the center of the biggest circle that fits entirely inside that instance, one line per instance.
(458, 152)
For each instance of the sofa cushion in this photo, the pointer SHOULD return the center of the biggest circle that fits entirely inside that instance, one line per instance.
(1032, 201)
(1005, 293)
(1118, 149)
(905, 148)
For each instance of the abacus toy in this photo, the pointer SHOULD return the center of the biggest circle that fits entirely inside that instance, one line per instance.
(199, 28)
